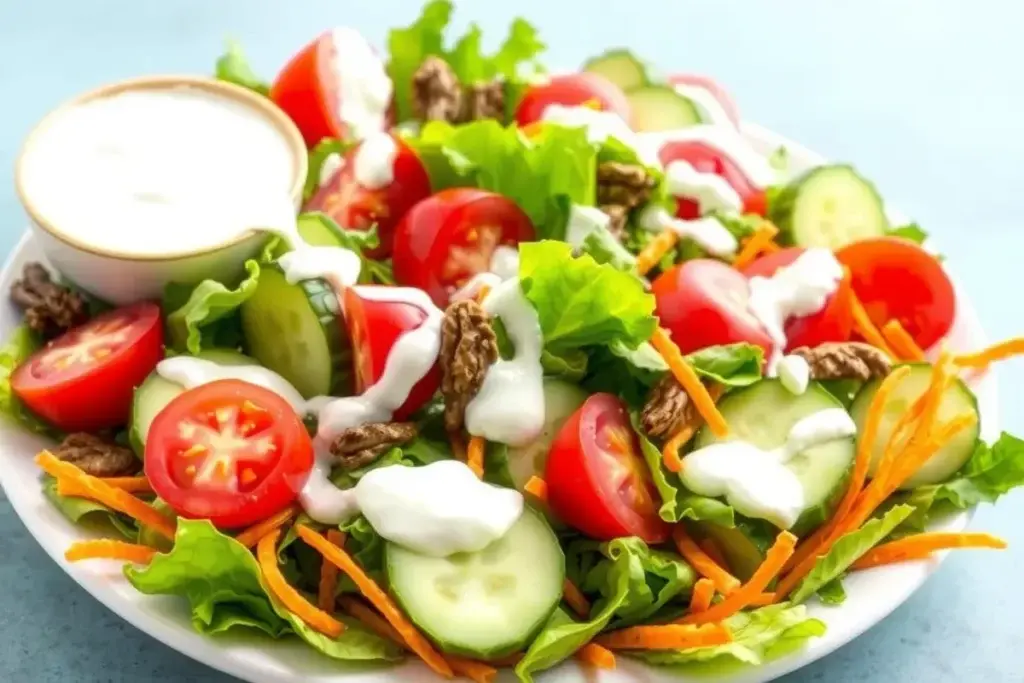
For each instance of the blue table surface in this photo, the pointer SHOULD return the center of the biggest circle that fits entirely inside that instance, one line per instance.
(925, 96)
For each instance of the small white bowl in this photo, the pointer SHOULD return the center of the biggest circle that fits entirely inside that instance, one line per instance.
(121, 278)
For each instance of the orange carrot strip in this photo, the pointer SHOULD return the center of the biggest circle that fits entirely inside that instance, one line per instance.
(670, 454)
(113, 498)
(475, 455)
(913, 547)
(694, 388)
(329, 576)
(538, 488)
(901, 342)
(266, 555)
(774, 559)
(992, 354)
(771, 248)
(72, 487)
(106, 549)
(755, 244)
(709, 546)
(703, 591)
(863, 324)
(596, 656)
(482, 293)
(725, 582)
(666, 637)
(762, 600)
(252, 535)
(368, 587)
(652, 253)
(575, 599)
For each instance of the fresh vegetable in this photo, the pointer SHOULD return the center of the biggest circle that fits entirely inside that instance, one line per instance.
(233, 67)
(572, 90)
(620, 67)
(266, 553)
(921, 546)
(708, 159)
(742, 546)
(719, 576)
(20, 345)
(561, 400)
(687, 377)
(713, 87)
(655, 108)
(103, 549)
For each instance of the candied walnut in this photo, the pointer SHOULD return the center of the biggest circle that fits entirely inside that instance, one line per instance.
(437, 93)
(627, 185)
(845, 360)
(97, 456)
(484, 101)
(468, 347)
(359, 446)
(667, 409)
(50, 309)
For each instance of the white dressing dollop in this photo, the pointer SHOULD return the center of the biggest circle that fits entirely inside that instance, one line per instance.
(504, 265)
(505, 262)
(374, 163)
(727, 140)
(707, 231)
(710, 190)
(339, 266)
(332, 163)
(584, 221)
(708, 106)
(191, 372)
(364, 88)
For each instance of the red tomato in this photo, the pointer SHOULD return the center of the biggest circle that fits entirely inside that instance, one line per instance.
(712, 86)
(357, 207)
(703, 303)
(450, 237)
(572, 90)
(374, 326)
(84, 380)
(834, 323)
(895, 278)
(707, 159)
(597, 480)
(228, 451)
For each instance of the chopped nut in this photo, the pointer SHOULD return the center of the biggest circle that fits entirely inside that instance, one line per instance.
(50, 309)
(627, 185)
(667, 409)
(619, 215)
(359, 446)
(845, 360)
(437, 93)
(484, 101)
(97, 456)
(468, 347)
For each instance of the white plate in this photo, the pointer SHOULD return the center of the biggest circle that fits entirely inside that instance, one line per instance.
(872, 594)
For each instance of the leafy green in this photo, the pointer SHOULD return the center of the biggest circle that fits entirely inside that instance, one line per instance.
(570, 365)
(233, 67)
(832, 593)
(910, 231)
(847, 550)
(22, 343)
(319, 229)
(606, 249)
(317, 156)
(85, 511)
(206, 319)
(733, 365)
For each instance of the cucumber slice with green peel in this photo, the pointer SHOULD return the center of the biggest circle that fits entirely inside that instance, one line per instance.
(763, 414)
(296, 330)
(957, 400)
(320, 233)
(743, 546)
(829, 206)
(561, 400)
(621, 67)
(484, 604)
(656, 108)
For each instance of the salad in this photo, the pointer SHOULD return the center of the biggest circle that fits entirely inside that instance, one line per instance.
(545, 367)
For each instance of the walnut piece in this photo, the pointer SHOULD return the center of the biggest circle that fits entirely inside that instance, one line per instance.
(468, 348)
(437, 93)
(627, 185)
(97, 456)
(667, 409)
(359, 446)
(618, 215)
(845, 360)
(50, 309)
(483, 101)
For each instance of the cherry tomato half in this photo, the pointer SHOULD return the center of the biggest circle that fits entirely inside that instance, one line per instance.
(228, 451)
(449, 237)
(597, 480)
(572, 90)
(896, 278)
(374, 325)
(714, 88)
(707, 159)
(703, 303)
(357, 207)
(84, 380)
(834, 323)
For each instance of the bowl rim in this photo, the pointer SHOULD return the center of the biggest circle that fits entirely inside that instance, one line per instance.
(281, 121)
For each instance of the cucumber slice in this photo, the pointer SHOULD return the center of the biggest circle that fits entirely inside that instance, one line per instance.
(621, 67)
(484, 604)
(763, 415)
(296, 331)
(957, 400)
(829, 206)
(320, 233)
(744, 545)
(561, 400)
(655, 108)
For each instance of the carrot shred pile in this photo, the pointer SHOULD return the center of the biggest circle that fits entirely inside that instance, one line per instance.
(654, 250)
(266, 555)
(71, 487)
(755, 245)
(997, 352)
(703, 592)
(596, 656)
(372, 592)
(114, 498)
(763, 600)
(901, 342)
(574, 598)
(328, 587)
(475, 455)
(670, 453)
(709, 546)
(923, 545)
(537, 487)
(252, 535)
(724, 582)
(106, 549)
(666, 637)
(695, 389)
(865, 327)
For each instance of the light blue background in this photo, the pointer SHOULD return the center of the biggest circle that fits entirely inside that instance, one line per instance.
(926, 96)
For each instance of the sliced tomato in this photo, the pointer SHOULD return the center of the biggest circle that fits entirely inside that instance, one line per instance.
(374, 326)
(84, 379)
(705, 158)
(597, 480)
(897, 279)
(572, 90)
(834, 323)
(713, 87)
(228, 451)
(703, 303)
(358, 207)
(450, 237)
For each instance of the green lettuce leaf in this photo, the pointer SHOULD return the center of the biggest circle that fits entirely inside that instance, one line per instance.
(910, 231)
(206, 319)
(233, 67)
(317, 156)
(22, 343)
(89, 513)
(733, 365)
(606, 249)
(832, 593)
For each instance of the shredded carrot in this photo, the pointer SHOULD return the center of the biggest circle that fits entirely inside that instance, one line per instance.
(329, 576)
(670, 454)
(507, 660)
(762, 600)
(742, 597)
(654, 250)
(252, 535)
(864, 326)
(901, 342)
(266, 555)
(538, 488)
(992, 354)
(116, 499)
(709, 546)
(703, 591)
(914, 547)
(71, 487)
(666, 637)
(694, 388)
(417, 643)
(106, 549)
(596, 656)
(771, 248)
(725, 583)
(475, 455)
(755, 244)
(575, 599)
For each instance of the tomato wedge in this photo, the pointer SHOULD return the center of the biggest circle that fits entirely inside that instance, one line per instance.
(597, 480)
(228, 451)
(707, 159)
(84, 379)
(572, 90)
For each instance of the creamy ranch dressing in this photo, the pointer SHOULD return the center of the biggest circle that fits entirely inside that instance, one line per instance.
(504, 265)
(710, 190)
(190, 372)
(727, 140)
(757, 482)
(374, 164)
(333, 163)
(364, 88)
(708, 106)
(583, 222)
(708, 231)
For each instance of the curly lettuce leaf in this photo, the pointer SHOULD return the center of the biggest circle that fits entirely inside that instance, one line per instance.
(832, 593)
(233, 67)
(732, 365)
(88, 512)
(206, 318)
(910, 231)
(22, 343)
